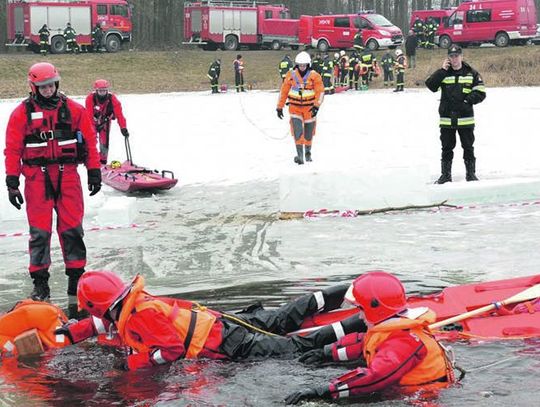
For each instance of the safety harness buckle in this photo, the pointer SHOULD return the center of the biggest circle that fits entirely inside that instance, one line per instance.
(46, 135)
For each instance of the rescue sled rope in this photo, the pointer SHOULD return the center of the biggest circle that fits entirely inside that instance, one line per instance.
(248, 325)
(498, 362)
(265, 134)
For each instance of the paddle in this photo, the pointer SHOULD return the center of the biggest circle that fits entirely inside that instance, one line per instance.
(128, 150)
(528, 294)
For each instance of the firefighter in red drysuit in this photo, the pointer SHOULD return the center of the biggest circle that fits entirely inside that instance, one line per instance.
(304, 90)
(398, 348)
(102, 107)
(47, 136)
(160, 329)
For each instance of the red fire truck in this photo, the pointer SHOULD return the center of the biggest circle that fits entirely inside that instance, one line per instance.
(502, 22)
(215, 24)
(337, 31)
(26, 17)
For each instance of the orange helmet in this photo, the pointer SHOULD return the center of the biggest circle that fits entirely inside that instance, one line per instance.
(100, 291)
(101, 84)
(42, 73)
(379, 294)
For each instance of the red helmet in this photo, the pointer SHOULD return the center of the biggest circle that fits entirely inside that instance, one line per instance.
(101, 84)
(100, 291)
(379, 294)
(42, 73)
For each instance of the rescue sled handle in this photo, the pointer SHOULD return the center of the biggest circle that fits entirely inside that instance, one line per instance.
(528, 294)
(128, 150)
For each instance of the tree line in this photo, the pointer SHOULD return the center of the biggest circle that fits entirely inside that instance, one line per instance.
(160, 23)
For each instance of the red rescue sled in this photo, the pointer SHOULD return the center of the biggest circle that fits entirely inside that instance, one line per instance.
(128, 177)
(453, 301)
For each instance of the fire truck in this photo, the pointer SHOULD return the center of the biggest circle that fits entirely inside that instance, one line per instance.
(338, 30)
(26, 17)
(228, 25)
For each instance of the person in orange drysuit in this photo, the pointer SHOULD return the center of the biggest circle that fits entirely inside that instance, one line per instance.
(304, 89)
(160, 329)
(102, 107)
(398, 347)
(47, 136)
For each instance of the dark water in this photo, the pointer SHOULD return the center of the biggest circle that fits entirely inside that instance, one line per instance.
(221, 245)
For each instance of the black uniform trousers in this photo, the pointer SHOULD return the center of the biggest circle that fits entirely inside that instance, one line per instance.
(448, 142)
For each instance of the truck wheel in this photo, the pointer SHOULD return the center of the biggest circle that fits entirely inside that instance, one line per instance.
(294, 47)
(113, 43)
(276, 45)
(58, 45)
(323, 46)
(501, 39)
(372, 45)
(231, 43)
(445, 41)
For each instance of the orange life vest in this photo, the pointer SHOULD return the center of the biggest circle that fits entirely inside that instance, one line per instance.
(193, 326)
(302, 91)
(434, 367)
(27, 315)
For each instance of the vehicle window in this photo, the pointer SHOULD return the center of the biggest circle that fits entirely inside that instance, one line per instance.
(377, 19)
(362, 23)
(478, 16)
(267, 14)
(342, 22)
(102, 10)
(436, 19)
(118, 10)
(456, 18)
(284, 15)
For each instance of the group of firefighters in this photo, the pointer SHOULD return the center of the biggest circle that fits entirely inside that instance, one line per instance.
(70, 37)
(425, 32)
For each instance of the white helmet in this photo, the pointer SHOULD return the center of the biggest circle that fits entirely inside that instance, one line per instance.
(336, 55)
(303, 58)
(399, 52)
(342, 53)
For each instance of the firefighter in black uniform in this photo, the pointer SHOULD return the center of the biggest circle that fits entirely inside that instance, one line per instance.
(387, 63)
(353, 71)
(461, 88)
(418, 28)
(97, 37)
(285, 66)
(367, 61)
(399, 66)
(328, 75)
(213, 74)
(358, 41)
(71, 39)
(429, 33)
(44, 35)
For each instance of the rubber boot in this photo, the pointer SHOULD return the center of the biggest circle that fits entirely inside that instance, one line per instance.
(73, 280)
(41, 291)
(299, 159)
(330, 298)
(446, 172)
(470, 167)
(308, 153)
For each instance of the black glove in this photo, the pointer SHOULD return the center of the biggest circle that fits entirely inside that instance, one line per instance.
(279, 113)
(316, 356)
(64, 330)
(94, 181)
(307, 394)
(314, 111)
(14, 194)
(125, 132)
(121, 364)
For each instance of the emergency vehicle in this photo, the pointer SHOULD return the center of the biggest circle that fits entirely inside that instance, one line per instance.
(501, 22)
(214, 24)
(26, 17)
(337, 31)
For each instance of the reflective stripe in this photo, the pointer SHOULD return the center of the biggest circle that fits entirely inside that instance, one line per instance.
(445, 121)
(342, 354)
(34, 145)
(343, 390)
(9, 346)
(464, 121)
(479, 88)
(320, 300)
(60, 338)
(338, 330)
(63, 143)
(158, 358)
(465, 79)
(98, 325)
(467, 90)
(449, 79)
(305, 94)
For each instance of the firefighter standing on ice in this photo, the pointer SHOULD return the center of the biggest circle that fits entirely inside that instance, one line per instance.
(238, 66)
(47, 136)
(399, 66)
(103, 107)
(461, 88)
(304, 89)
(44, 35)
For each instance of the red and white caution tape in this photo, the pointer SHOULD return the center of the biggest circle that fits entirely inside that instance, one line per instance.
(91, 229)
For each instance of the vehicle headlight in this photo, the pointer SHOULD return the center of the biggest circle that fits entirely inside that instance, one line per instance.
(385, 33)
